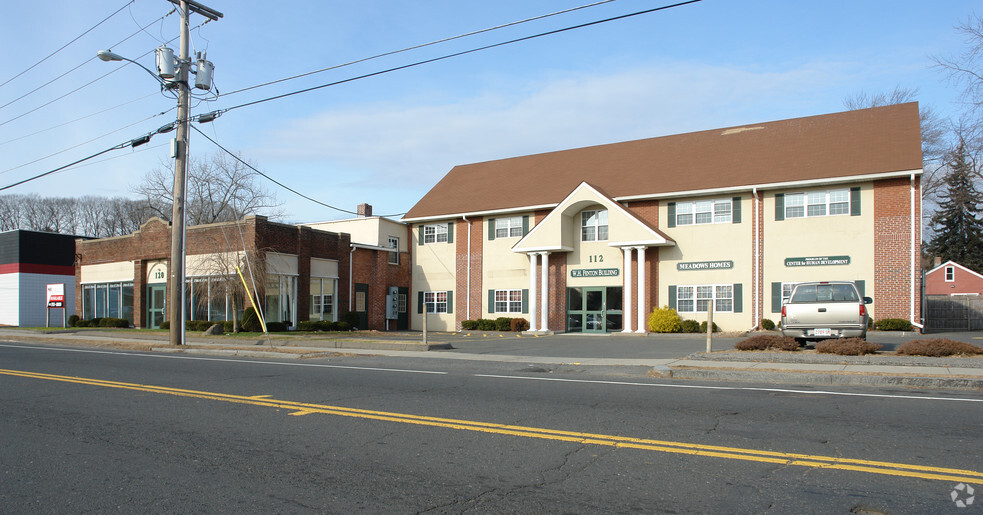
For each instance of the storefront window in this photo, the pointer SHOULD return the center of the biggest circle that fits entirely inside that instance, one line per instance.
(107, 300)
(322, 299)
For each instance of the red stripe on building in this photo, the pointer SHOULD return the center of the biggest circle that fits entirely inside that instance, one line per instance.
(28, 268)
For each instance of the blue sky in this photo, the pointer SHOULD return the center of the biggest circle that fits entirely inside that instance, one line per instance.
(386, 140)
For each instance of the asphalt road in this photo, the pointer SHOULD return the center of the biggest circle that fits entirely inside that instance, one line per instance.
(90, 430)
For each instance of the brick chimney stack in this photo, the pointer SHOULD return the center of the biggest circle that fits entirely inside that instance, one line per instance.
(364, 210)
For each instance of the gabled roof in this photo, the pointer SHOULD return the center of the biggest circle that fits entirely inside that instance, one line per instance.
(957, 265)
(852, 145)
(556, 232)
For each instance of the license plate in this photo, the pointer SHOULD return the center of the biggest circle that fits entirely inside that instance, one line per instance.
(822, 332)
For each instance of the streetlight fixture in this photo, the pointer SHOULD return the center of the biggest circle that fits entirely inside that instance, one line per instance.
(173, 73)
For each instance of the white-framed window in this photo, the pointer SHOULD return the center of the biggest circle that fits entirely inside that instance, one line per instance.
(594, 225)
(508, 301)
(394, 244)
(950, 274)
(697, 298)
(435, 301)
(817, 203)
(716, 211)
(510, 227)
(435, 233)
(402, 302)
(322, 299)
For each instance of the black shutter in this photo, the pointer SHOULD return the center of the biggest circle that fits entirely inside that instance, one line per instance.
(672, 214)
(776, 297)
(736, 210)
(491, 229)
(779, 207)
(855, 201)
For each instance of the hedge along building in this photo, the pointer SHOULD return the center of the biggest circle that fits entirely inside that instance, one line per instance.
(298, 273)
(592, 239)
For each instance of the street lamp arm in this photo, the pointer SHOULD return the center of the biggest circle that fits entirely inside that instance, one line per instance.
(107, 56)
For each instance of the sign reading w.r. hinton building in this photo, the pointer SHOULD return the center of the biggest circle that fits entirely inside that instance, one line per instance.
(595, 272)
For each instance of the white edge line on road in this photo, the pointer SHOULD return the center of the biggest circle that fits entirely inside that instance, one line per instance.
(227, 360)
(739, 388)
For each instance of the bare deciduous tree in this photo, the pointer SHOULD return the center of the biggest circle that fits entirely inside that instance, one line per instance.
(220, 189)
(966, 70)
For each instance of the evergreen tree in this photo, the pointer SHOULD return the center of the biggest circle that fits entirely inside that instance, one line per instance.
(958, 230)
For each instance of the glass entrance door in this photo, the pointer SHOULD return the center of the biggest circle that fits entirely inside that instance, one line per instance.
(156, 305)
(594, 310)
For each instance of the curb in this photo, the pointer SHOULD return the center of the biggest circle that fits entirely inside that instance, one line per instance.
(817, 378)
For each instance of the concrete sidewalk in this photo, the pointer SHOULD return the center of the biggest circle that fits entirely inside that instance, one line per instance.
(664, 356)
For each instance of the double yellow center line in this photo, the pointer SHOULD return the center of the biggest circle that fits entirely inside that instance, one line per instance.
(713, 451)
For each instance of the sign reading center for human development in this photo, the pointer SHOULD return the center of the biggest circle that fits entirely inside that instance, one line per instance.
(705, 265)
(818, 261)
(595, 272)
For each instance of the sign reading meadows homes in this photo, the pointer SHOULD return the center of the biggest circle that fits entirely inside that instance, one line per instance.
(705, 265)
(817, 261)
(594, 272)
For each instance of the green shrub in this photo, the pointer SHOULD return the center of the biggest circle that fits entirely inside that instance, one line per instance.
(766, 342)
(114, 322)
(938, 347)
(72, 320)
(703, 327)
(519, 324)
(767, 325)
(893, 324)
(342, 326)
(690, 326)
(486, 325)
(166, 324)
(307, 325)
(250, 321)
(228, 326)
(83, 323)
(327, 325)
(847, 347)
(503, 324)
(469, 325)
(352, 318)
(664, 320)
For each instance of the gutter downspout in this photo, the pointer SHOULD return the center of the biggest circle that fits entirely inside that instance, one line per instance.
(755, 293)
(351, 276)
(468, 287)
(914, 263)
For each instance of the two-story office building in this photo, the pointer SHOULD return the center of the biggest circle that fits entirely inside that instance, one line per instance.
(592, 239)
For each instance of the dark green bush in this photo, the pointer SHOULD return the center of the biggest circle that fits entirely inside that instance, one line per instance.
(486, 325)
(767, 325)
(72, 320)
(893, 324)
(519, 324)
(469, 325)
(228, 326)
(114, 322)
(690, 326)
(250, 321)
(166, 324)
(703, 327)
(938, 347)
(307, 325)
(351, 318)
(328, 325)
(847, 347)
(83, 323)
(767, 342)
(503, 324)
(342, 326)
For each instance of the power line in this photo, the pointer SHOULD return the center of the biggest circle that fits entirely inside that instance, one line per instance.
(83, 63)
(274, 181)
(67, 44)
(458, 54)
(415, 47)
(60, 168)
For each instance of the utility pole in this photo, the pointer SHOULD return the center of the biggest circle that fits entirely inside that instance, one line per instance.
(176, 265)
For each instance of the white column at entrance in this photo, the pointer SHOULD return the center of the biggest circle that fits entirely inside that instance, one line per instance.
(641, 290)
(532, 291)
(626, 308)
(544, 290)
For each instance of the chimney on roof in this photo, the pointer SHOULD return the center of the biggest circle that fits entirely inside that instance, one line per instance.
(364, 210)
(938, 260)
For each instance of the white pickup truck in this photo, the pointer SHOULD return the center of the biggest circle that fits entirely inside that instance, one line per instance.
(826, 309)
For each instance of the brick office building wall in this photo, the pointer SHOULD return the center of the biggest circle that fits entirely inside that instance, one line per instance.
(461, 299)
(893, 280)
(372, 267)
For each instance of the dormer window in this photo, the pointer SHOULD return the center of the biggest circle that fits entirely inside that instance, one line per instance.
(594, 225)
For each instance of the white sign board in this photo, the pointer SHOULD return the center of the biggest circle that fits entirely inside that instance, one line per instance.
(56, 295)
